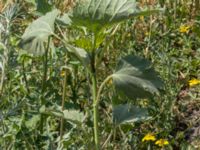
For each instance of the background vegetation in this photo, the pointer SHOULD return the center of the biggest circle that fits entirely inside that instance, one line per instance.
(170, 40)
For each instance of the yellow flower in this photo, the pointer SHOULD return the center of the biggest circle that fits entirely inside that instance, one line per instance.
(142, 18)
(62, 73)
(145, 102)
(184, 29)
(110, 82)
(193, 82)
(162, 142)
(149, 137)
(147, 33)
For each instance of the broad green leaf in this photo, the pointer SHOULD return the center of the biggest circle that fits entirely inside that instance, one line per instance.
(136, 78)
(74, 116)
(37, 33)
(71, 115)
(129, 114)
(98, 14)
(64, 20)
(80, 53)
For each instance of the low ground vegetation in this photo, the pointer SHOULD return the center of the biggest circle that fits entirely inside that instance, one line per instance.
(79, 75)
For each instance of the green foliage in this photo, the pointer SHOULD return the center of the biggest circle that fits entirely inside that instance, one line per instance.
(65, 99)
(74, 116)
(43, 6)
(32, 123)
(129, 114)
(64, 20)
(96, 15)
(136, 79)
(80, 53)
(37, 33)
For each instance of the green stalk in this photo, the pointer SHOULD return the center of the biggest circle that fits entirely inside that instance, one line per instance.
(96, 99)
(24, 74)
(101, 88)
(44, 80)
(45, 67)
(95, 112)
(94, 95)
(63, 103)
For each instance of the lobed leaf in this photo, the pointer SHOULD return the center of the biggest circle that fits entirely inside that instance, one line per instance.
(37, 33)
(98, 14)
(136, 78)
(128, 114)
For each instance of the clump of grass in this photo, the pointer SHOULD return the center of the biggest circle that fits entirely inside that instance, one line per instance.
(65, 5)
(4, 4)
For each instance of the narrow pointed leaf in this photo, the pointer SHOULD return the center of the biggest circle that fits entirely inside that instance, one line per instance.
(37, 33)
(136, 78)
(129, 114)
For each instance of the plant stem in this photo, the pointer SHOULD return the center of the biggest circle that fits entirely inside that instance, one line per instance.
(95, 112)
(94, 95)
(107, 140)
(45, 67)
(101, 88)
(25, 78)
(63, 103)
(45, 64)
(2, 78)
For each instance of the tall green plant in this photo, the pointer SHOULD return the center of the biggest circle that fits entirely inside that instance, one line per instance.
(134, 76)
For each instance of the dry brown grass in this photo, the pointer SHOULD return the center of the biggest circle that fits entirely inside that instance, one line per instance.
(4, 4)
(1, 6)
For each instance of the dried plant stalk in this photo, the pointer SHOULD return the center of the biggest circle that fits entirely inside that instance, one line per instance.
(65, 5)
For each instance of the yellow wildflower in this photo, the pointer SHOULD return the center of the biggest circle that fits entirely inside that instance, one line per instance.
(110, 82)
(147, 33)
(162, 142)
(142, 18)
(149, 137)
(145, 102)
(184, 29)
(193, 82)
(62, 73)
(129, 35)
